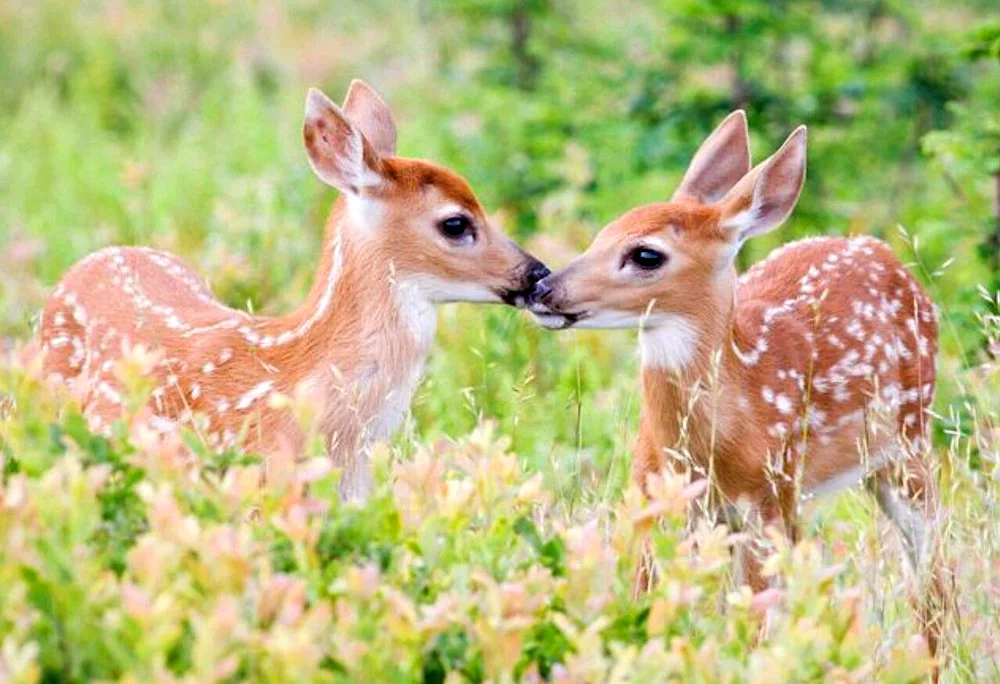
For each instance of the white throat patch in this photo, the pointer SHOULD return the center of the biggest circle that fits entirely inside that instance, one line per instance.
(669, 344)
(417, 311)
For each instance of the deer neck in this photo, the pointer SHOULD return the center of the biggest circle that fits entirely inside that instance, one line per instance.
(362, 334)
(691, 379)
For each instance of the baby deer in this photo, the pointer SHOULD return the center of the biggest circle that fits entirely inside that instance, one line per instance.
(403, 236)
(811, 372)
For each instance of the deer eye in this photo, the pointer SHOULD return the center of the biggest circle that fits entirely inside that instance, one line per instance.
(645, 258)
(458, 228)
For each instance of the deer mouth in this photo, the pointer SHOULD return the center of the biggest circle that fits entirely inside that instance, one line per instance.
(543, 305)
(525, 296)
(516, 298)
(555, 320)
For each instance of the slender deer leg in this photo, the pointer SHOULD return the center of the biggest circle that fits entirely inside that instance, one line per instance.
(749, 555)
(911, 525)
(645, 572)
(779, 510)
(746, 554)
(788, 495)
(914, 513)
(356, 479)
(749, 565)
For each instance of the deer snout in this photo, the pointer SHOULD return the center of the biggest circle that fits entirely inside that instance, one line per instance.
(536, 272)
(544, 304)
(532, 272)
(539, 293)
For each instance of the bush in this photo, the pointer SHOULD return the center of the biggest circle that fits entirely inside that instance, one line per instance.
(135, 557)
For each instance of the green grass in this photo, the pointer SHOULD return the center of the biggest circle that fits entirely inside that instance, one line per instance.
(177, 125)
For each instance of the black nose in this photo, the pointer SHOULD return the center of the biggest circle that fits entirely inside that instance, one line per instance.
(536, 271)
(539, 292)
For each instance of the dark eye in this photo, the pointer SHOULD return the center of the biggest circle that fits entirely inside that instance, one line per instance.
(645, 258)
(457, 227)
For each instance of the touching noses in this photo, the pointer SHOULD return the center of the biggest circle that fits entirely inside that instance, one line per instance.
(541, 289)
(536, 271)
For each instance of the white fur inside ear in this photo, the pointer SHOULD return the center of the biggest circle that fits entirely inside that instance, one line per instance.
(776, 190)
(367, 178)
(741, 224)
(356, 172)
(751, 221)
(670, 343)
(338, 157)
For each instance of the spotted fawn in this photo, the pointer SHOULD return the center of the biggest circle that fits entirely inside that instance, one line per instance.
(404, 235)
(811, 372)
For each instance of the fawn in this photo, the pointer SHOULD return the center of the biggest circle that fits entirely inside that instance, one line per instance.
(404, 235)
(774, 378)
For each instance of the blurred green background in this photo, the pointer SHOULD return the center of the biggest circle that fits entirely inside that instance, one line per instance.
(177, 124)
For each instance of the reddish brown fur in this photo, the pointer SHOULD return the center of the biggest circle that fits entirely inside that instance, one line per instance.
(749, 461)
(782, 382)
(799, 341)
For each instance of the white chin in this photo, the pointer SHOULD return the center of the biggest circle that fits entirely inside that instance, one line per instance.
(441, 291)
(521, 302)
(552, 321)
(467, 292)
(610, 320)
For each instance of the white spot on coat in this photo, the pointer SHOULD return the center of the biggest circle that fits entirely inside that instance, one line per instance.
(258, 391)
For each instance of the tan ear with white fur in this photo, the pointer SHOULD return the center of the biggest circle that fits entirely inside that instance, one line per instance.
(369, 113)
(766, 196)
(721, 161)
(338, 151)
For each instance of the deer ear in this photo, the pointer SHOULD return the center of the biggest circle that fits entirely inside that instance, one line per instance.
(765, 197)
(338, 151)
(369, 113)
(721, 161)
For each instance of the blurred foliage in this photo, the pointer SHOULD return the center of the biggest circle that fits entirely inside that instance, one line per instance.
(176, 123)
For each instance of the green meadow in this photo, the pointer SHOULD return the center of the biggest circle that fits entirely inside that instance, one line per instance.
(502, 539)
